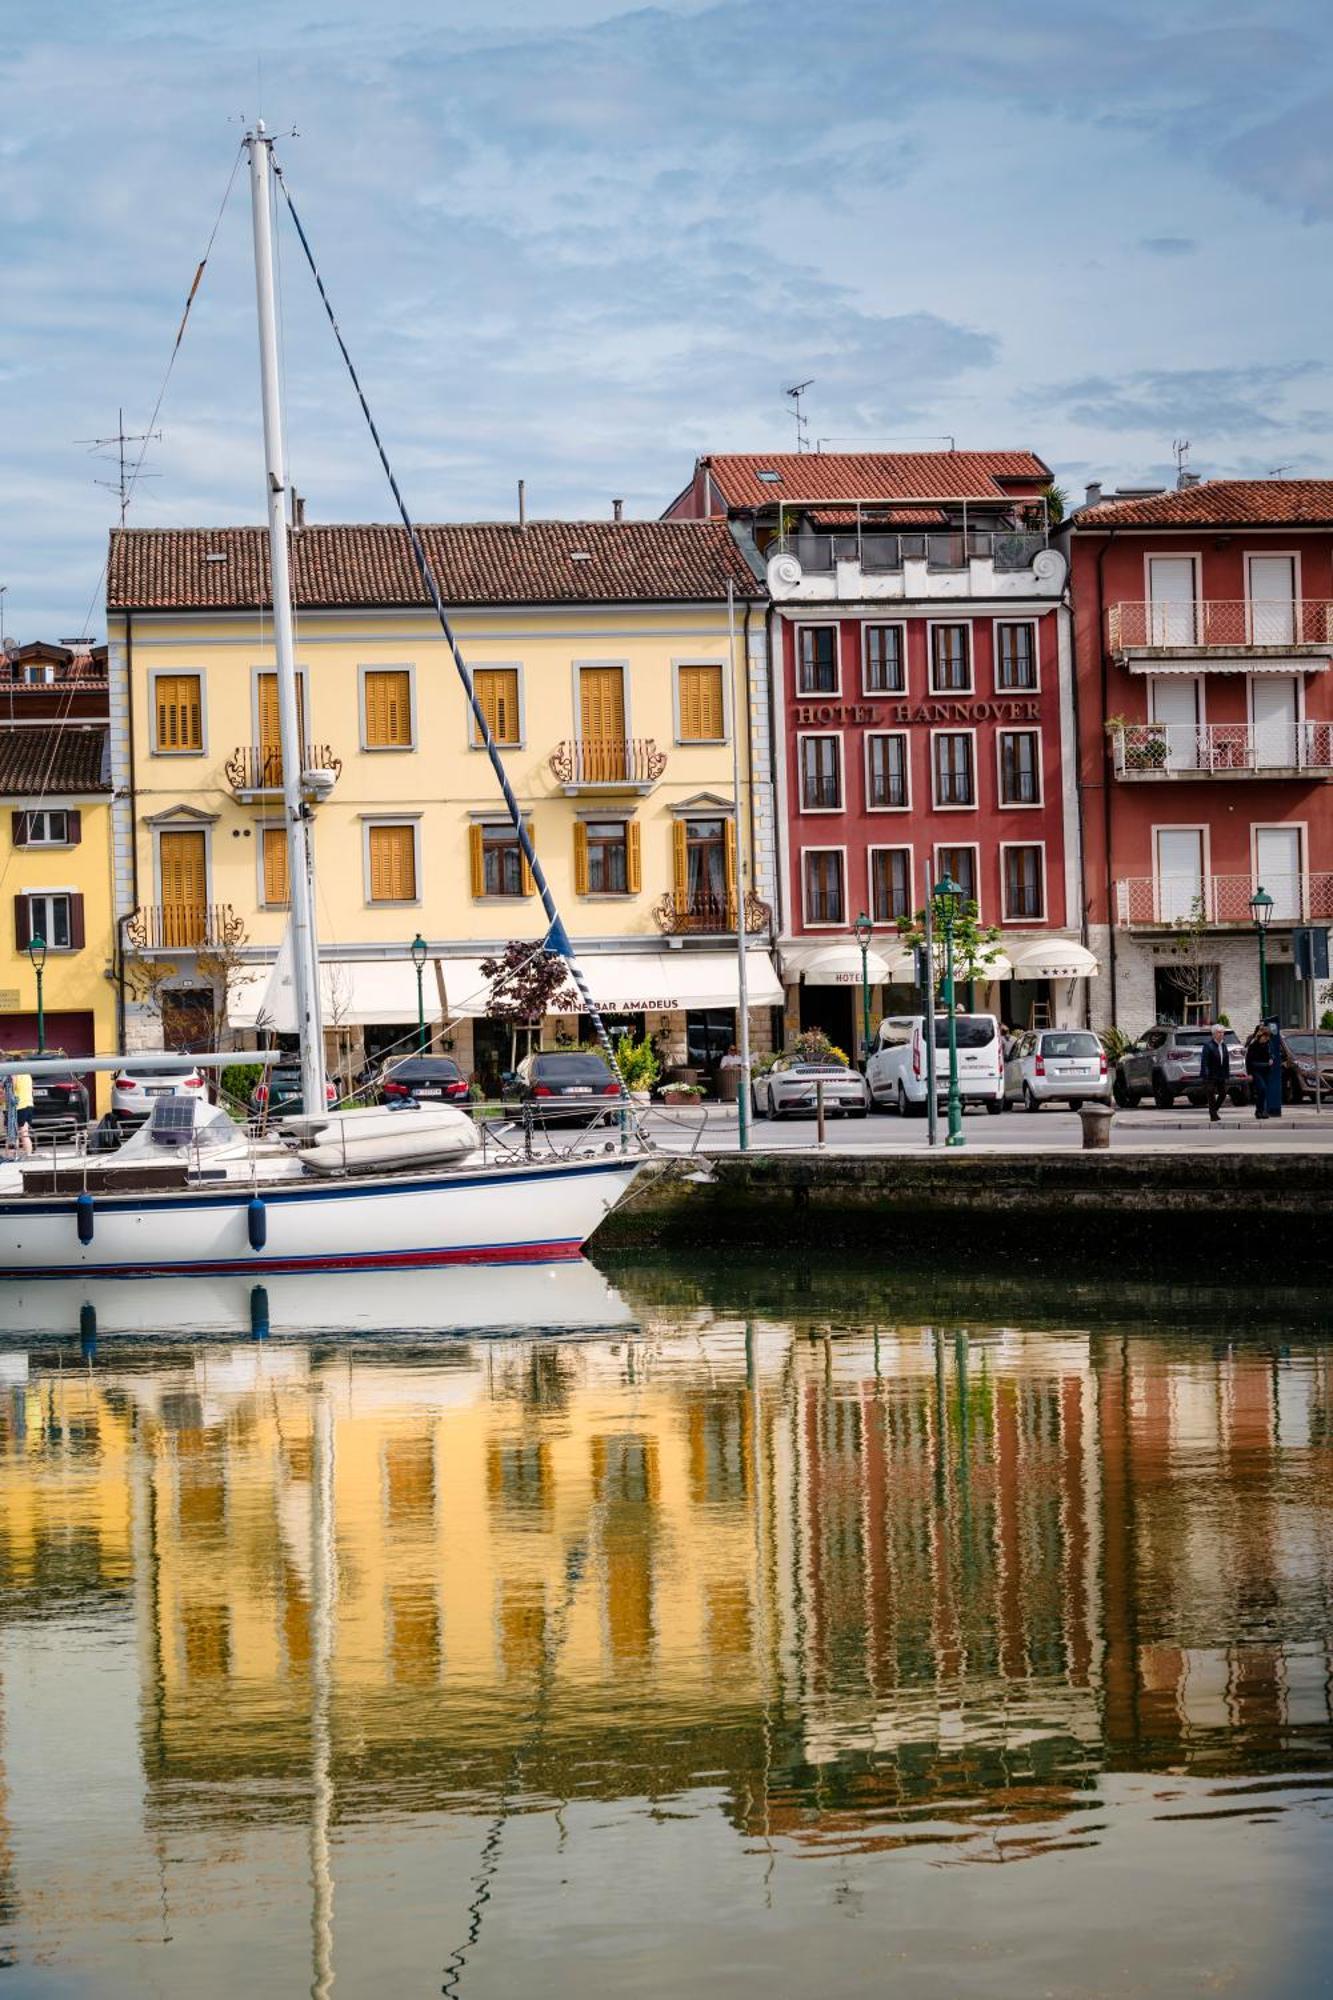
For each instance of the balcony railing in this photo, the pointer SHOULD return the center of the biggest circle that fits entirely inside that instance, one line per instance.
(256, 768)
(1220, 900)
(819, 555)
(185, 927)
(1222, 624)
(608, 764)
(683, 914)
(1223, 750)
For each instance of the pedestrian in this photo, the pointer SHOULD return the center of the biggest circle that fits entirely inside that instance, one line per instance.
(21, 1089)
(1215, 1068)
(732, 1059)
(1259, 1063)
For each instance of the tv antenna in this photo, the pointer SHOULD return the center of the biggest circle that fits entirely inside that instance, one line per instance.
(1276, 471)
(127, 477)
(1180, 448)
(796, 391)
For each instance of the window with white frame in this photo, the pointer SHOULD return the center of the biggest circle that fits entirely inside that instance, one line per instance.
(961, 864)
(825, 900)
(821, 773)
(1020, 767)
(54, 916)
(886, 772)
(1024, 876)
(1016, 657)
(953, 754)
(950, 659)
(817, 659)
(44, 827)
(890, 883)
(884, 661)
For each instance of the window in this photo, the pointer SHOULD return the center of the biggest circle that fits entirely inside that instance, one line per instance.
(1016, 657)
(699, 699)
(1024, 884)
(178, 703)
(886, 772)
(498, 866)
(817, 659)
(496, 690)
(704, 870)
(884, 671)
(961, 864)
(824, 899)
(46, 828)
(821, 773)
(950, 659)
(386, 698)
(606, 858)
(273, 848)
(955, 774)
(393, 863)
(1020, 767)
(890, 883)
(55, 917)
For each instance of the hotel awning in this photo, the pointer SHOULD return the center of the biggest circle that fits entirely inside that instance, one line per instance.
(1226, 663)
(833, 965)
(636, 982)
(1055, 958)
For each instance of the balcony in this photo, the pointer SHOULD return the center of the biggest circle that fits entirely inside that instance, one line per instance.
(1165, 902)
(684, 915)
(184, 927)
(1300, 629)
(981, 562)
(1174, 750)
(254, 770)
(607, 764)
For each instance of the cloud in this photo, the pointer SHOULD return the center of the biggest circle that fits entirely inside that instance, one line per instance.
(1168, 246)
(1218, 402)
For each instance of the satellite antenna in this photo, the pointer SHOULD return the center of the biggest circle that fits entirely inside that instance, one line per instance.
(125, 478)
(796, 391)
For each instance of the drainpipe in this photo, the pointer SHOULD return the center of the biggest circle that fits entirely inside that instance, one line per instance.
(1079, 787)
(779, 830)
(1106, 779)
(121, 919)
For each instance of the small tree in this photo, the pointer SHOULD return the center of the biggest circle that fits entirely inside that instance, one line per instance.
(221, 965)
(975, 947)
(526, 983)
(1193, 976)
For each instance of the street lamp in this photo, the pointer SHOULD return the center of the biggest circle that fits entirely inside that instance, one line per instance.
(948, 902)
(1261, 909)
(418, 949)
(863, 930)
(37, 953)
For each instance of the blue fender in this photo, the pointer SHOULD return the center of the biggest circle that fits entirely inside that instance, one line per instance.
(256, 1223)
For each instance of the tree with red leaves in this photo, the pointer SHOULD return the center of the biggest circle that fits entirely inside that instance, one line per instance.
(526, 983)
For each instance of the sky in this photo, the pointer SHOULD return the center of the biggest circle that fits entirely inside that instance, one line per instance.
(579, 243)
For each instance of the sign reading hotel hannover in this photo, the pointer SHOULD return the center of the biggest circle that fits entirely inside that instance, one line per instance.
(822, 714)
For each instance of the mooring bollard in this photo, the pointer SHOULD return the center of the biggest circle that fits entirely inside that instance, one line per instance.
(1096, 1122)
(819, 1111)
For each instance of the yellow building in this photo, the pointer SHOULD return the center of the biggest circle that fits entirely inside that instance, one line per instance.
(608, 673)
(55, 838)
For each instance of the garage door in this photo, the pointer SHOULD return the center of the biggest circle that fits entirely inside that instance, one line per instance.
(66, 1034)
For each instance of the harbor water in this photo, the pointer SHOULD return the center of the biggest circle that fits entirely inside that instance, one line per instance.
(663, 1629)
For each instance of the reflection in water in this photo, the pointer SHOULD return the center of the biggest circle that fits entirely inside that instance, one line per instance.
(733, 1639)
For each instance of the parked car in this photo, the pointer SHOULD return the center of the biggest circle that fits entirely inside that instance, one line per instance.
(1165, 1062)
(1056, 1066)
(792, 1085)
(1307, 1061)
(429, 1079)
(563, 1086)
(133, 1094)
(278, 1092)
(59, 1105)
(896, 1071)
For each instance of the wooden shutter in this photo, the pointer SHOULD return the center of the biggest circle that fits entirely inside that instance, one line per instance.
(277, 888)
(19, 831)
(392, 864)
(633, 858)
(270, 719)
(76, 931)
(700, 704)
(580, 858)
(729, 858)
(180, 721)
(22, 923)
(497, 692)
(183, 867)
(680, 866)
(74, 828)
(388, 698)
(476, 861)
(528, 883)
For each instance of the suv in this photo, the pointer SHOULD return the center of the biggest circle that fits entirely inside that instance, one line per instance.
(896, 1071)
(1165, 1061)
(59, 1105)
(278, 1092)
(1056, 1066)
(135, 1092)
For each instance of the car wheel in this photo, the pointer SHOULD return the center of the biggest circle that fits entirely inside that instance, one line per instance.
(1121, 1093)
(903, 1106)
(774, 1111)
(760, 1105)
(1029, 1101)
(1162, 1095)
(995, 1105)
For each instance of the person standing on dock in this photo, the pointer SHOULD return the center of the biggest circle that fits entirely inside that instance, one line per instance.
(1259, 1063)
(1215, 1067)
(18, 1112)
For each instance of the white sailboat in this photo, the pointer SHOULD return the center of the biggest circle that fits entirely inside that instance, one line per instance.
(331, 1190)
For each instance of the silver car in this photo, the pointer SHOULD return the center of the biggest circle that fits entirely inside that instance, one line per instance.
(792, 1086)
(1056, 1066)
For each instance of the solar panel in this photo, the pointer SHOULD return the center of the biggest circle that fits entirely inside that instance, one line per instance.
(173, 1120)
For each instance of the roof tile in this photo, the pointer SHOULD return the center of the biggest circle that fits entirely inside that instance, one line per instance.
(37, 760)
(1221, 503)
(904, 476)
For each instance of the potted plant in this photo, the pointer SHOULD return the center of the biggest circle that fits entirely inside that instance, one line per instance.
(680, 1093)
(638, 1066)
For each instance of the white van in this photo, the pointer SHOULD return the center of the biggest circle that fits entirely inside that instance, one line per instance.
(896, 1071)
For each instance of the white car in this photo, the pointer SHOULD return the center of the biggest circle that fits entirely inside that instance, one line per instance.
(135, 1092)
(1057, 1066)
(896, 1071)
(793, 1085)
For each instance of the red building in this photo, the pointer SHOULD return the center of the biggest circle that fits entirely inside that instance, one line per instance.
(1203, 641)
(921, 717)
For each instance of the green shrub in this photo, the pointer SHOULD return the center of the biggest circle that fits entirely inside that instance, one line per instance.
(637, 1063)
(235, 1084)
(1115, 1041)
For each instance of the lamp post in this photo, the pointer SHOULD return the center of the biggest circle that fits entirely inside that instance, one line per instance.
(37, 953)
(948, 901)
(418, 949)
(1261, 909)
(863, 930)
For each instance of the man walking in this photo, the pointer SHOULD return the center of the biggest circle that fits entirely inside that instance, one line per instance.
(1215, 1068)
(1259, 1063)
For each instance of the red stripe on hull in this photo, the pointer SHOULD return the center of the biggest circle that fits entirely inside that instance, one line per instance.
(378, 1260)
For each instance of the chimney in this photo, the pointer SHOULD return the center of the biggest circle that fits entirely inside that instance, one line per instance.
(1092, 493)
(522, 503)
(617, 510)
(298, 509)
(1187, 479)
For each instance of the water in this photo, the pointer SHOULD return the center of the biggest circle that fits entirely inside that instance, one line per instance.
(825, 1631)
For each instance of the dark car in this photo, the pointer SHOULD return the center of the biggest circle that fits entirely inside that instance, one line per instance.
(429, 1079)
(1307, 1065)
(564, 1086)
(278, 1092)
(59, 1105)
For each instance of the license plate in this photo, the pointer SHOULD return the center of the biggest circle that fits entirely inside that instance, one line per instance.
(579, 1090)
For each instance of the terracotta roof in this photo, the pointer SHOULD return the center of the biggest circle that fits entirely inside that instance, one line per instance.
(488, 562)
(879, 517)
(913, 475)
(37, 760)
(1221, 503)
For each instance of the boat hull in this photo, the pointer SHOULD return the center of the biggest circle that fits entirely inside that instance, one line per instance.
(513, 1215)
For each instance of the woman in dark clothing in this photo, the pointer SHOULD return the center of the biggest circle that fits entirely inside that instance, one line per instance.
(1259, 1063)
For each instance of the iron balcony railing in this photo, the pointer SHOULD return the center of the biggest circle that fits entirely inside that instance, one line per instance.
(257, 767)
(1220, 900)
(598, 763)
(820, 793)
(820, 554)
(184, 927)
(1221, 624)
(1223, 749)
(686, 913)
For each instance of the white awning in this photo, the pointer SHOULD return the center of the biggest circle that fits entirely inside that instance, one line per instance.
(352, 992)
(636, 982)
(1226, 663)
(1055, 958)
(832, 965)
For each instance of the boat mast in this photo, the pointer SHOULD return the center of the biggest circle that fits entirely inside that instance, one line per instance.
(305, 947)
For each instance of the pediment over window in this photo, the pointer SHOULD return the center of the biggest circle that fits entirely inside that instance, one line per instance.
(182, 815)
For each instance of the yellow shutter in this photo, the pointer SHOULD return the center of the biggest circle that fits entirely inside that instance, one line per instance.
(528, 884)
(392, 864)
(182, 860)
(680, 867)
(497, 692)
(633, 859)
(180, 718)
(270, 722)
(388, 697)
(276, 886)
(729, 857)
(580, 858)
(476, 863)
(700, 704)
